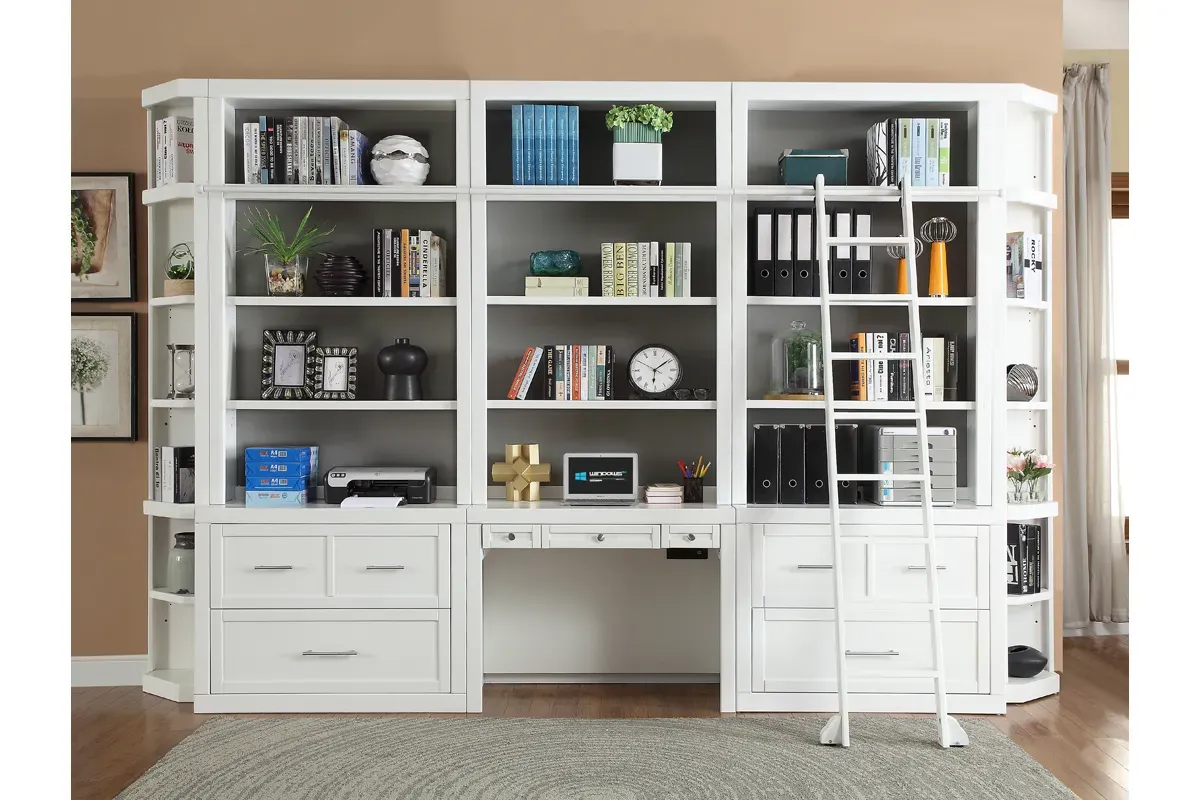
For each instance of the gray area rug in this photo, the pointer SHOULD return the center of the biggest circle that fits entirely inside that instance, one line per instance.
(347, 758)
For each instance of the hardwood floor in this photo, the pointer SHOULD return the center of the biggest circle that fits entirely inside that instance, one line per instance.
(1080, 735)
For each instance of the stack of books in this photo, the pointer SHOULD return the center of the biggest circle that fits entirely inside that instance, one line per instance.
(555, 286)
(912, 147)
(174, 155)
(646, 269)
(941, 372)
(1024, 558)
(545, 145)
(278, 477)
(175, 474)
(564, 372)
(664, 493)
(303, 150)
(409, 263)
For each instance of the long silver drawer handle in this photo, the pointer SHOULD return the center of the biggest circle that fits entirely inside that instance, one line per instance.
(922, 566)
(274, 566)
(872, 653)
(814, 566)
(397, 566)
(329, 653)
(599, 537)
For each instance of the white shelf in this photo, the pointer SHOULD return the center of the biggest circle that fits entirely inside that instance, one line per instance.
(345, 302)
(162, 402)
(442, 511)
(1031, 197)
(178, 300)
(171, 597)
(546, 511)
(1020, 511)
(963, 512)
(608, 302)
(362, 194)
(557, 194)
(1035, 305)
(163, 194)
(882, 194)
(157, 508)
(1022, 690)
(1030, 599)
(859, 405)
(1033, 405)
(172, 684)
(605, 405)
(343, 405)
(864, 300)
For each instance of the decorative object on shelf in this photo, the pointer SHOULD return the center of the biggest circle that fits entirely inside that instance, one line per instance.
(693, 479)
(690, 394)
(286, 258)
(655, 371)
(800, 166)
(937, 232)
(637, 142)
(399, 161)
(104, 376)
(522, 472)
(897, 251)
(181, 271)
(183, 371)
(1023, 261)
(181, 564)
(1022, 383)
(336, 373)
(402, 364)
(102, 236)
(288, 365)
(1025, 470)
(341, 276)
(554, 263)
(797, 365)
(545, 145)
(1025, 662)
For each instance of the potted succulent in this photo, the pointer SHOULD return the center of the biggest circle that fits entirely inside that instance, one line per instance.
(181, 271)
(286, 257)
(637, 142)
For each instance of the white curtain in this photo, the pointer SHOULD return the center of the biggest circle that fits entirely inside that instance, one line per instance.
(1095, 566)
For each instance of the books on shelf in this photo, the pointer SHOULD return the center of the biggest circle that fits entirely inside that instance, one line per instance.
(409, 263)
(564, 372)
(646, 269)
(303, 150)
(941, 367)
(174, 150)
(555, 286)
(942, 370)
(913, 147)
(1024, 557)
(1023, 260)
(175, 474)
(664, 494)
(545, 145)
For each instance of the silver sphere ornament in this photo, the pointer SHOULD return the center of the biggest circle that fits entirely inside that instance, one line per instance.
(399, 161)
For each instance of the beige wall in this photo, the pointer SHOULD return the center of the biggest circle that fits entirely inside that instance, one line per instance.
(1118, 91)
(123, 46)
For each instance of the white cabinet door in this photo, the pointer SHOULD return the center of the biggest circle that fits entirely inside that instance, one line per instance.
(330, 651)
(406, 571)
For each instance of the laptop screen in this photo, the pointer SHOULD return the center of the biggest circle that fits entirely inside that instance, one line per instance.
(611, 475)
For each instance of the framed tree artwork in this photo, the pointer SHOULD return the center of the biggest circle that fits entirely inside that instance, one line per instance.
(289, 365)
(104, 376)
(103, 240)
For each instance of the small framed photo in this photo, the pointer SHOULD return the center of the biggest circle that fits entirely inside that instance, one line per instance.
(103, 241)
(289, 365)
(104, 376)
(336, 373)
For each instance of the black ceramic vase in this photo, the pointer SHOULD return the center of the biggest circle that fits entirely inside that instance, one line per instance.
(1024, 661)
(402, 364)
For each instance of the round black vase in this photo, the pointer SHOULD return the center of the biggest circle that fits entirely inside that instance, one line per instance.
(1024, 661)
(402, 364)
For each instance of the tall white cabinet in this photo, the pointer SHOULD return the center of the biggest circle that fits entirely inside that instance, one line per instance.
(334, 632)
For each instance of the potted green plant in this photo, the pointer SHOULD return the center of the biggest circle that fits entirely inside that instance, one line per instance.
(637, 142)
(181, 271)
(797, 364)
(286, 257)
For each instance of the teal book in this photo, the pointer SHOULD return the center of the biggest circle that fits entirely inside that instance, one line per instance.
(518, 147)
(527, 137)
(551, 146)
(560, 119)
(539, 136)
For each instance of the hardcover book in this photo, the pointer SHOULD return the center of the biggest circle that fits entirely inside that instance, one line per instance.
(551, 145)
(563, 149)
(539, 136)
(573, 134)
(518, 147)
(619, 267)
(530, 139)
(607, 270)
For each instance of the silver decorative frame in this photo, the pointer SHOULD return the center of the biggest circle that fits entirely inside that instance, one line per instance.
(351, 356)
(273, 339)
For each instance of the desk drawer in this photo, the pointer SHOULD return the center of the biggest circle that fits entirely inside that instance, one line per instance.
(411, 570)
(512, 536)
(323, 652)
(616, 537)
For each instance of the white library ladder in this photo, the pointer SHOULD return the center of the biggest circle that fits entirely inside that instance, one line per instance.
(837, 730)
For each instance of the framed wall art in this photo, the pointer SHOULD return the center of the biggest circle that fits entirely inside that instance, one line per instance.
(104, 376)
(336, 373)
(103, 240)
(289, 365)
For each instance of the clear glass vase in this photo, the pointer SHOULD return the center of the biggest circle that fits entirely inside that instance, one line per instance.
(797, 363)
(1035, 490)
(1018, 492)
(286, 278)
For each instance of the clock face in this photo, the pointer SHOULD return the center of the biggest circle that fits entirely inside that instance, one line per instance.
(654, 370)
(335, 375)
(289, 364)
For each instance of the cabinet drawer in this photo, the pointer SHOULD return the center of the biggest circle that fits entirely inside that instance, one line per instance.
(322, 652)
(707, 536)
(898, 572)
(404, 571)
(797, 571)
(270, 570)
(615, 537)
(514, 536)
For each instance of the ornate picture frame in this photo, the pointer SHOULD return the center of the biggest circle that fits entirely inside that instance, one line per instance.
(103, 236)
(289, 365)
(336, 373)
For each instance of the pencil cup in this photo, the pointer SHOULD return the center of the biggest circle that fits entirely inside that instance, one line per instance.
(693, 490)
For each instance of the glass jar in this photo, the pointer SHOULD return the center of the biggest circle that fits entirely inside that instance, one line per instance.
(797, 363)
(181, 564)
(286, 279)
(183, 371)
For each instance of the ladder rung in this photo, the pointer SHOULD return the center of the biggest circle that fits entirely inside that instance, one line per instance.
(873, 299)
(911, 416)
(906, 673)
(842, 356)
(890, 476)
(842, 241)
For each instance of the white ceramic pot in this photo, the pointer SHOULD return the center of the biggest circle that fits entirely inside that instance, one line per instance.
(637, 162)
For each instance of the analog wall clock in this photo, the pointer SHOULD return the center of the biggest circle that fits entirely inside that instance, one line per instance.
(654, 371)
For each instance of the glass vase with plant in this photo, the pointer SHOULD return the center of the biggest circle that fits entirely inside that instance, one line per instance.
(798, 366)
(286, 257)
(181, 271)
(1015, 472)
(1026, 470)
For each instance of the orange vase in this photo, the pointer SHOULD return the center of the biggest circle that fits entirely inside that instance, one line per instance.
(902, 276)
(939, 282)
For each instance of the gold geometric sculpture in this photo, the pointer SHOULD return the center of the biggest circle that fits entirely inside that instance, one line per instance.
(521, 471)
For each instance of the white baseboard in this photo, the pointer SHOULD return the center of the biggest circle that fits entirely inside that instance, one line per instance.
(107, 670)
(1099, 629)
(602, 677)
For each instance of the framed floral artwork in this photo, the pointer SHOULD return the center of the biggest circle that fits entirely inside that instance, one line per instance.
(104, 376)
(103, 240)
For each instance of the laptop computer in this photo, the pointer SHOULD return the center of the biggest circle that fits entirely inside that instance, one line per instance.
(600, 479)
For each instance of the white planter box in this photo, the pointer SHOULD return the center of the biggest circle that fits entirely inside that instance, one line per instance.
(637, 162)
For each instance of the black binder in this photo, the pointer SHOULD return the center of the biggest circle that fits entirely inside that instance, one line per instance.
(785, 252)
(762, 256)
(816, 466)
(791, 464)
(765, 475)
(842, 265)
(804, 282)
(846, 442)
(861, 284)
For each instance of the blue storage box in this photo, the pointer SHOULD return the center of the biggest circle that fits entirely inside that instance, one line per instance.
(280, 482)
(800, 166)
(270, 498)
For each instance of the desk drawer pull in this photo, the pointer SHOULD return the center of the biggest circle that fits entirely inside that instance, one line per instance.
(392, 566)
(814, 566)
(922, 566)
(872, 653)
(691, 537)
(512, 537)
(273, 566)
(599, 537)
(329, 653)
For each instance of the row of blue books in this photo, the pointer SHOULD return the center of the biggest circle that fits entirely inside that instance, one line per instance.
(278, 477)
(545, 145)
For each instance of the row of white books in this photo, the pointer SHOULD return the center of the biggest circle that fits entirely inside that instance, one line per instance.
(646, 269)
(174, 150)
